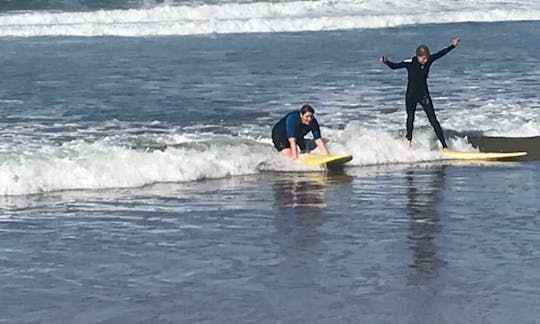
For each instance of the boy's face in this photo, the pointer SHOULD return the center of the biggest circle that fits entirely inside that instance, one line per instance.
(422, 59)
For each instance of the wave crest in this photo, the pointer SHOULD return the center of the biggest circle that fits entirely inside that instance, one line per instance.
(258, 17)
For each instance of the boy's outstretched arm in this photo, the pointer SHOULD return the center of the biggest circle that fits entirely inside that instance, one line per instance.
(392, 65)
(445, 51)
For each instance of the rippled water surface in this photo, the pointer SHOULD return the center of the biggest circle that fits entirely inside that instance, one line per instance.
(416, 244)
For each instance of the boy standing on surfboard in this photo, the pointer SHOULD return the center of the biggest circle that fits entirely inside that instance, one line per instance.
(417, 88)
(290, 130)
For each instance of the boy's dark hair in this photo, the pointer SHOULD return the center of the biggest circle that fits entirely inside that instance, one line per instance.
(422, 50)
(305, 108)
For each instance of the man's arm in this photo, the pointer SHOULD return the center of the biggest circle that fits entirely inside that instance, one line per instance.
(291, 126)
(294, 150)
(322, 147)
(392, 65)
(316, 131)
(445, 51)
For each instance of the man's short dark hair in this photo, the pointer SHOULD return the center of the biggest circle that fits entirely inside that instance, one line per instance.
(307, 108)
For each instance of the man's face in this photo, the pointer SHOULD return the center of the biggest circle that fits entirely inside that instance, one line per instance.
(422, 59)
(307, 118)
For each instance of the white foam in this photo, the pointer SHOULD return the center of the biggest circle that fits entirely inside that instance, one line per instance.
(262, 17)
(96, 166)
(100, 165)
(29, 167)
(80, 165)
(376, 147)
(497, 117)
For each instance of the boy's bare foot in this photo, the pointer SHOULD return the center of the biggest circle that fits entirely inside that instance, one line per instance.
(446, 149)
(408, 143)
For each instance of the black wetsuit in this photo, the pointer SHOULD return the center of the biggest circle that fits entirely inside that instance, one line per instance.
(291, 126)
(417, 91)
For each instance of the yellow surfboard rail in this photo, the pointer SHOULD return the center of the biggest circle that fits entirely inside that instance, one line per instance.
(456, 155)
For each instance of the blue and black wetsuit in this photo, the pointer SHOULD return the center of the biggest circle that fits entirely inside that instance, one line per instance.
(418, 92)
(292, 126)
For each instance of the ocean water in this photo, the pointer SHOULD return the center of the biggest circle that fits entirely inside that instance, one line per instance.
(138, 183)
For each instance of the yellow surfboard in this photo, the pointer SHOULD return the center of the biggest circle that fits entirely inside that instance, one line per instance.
(330, 160)
(481, 155)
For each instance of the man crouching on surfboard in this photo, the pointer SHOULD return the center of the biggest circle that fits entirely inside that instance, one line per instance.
(417, 89)
(290, 130)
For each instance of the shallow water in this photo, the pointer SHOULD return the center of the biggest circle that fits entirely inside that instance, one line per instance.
(409, 243)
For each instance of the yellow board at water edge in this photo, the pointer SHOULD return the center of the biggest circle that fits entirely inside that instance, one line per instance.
(481, 155)
(330, 160)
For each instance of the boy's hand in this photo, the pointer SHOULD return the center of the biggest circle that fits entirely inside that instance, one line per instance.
(455, 41)
(383, 59)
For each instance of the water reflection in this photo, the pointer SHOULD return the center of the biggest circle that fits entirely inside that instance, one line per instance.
(300, 191)
(302, 202)
(424, 189)
(305, 192)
